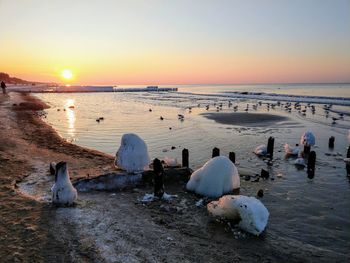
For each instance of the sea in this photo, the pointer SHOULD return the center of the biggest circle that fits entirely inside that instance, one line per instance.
(313, 211)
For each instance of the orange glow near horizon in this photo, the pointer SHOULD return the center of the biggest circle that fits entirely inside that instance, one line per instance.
(231, 42)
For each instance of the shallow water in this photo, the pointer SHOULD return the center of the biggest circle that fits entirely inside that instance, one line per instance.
(311, 211)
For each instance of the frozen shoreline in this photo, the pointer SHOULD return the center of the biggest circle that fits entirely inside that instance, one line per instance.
(99, 227)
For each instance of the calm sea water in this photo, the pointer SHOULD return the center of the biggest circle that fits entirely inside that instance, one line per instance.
(312, 211)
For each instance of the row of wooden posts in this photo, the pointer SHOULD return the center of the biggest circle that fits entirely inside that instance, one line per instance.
(311, 155)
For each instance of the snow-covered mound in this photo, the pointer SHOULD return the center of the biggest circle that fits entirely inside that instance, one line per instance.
(251, 213)
(308, 138)
(63, 192)
(300, 162)
(291, 151)
(132, 155)
(261, 150)
(215, 178)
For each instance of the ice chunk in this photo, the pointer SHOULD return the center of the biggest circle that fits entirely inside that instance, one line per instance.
(170, 162)
(215, 178)
(261, 150)
(63, 192)
(308, 138)
(147, 198)
(132, 154)
(291, 151)
(300, 162)
(249, 211)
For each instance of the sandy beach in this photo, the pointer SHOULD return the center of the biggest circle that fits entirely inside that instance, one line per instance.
(105, 226)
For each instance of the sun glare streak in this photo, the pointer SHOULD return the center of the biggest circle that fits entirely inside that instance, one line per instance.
(70, 115)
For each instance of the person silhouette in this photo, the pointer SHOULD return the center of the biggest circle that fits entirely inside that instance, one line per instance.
(3, 87)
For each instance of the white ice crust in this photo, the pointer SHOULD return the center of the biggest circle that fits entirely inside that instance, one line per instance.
(253, 215)
(132, 154)
(215, 178)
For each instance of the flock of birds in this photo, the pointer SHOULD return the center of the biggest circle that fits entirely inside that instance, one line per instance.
(287, 106)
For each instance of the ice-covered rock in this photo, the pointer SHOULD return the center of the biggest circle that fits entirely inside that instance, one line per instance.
(170, 162)
(261, 150)
(299, 162)
(132, 154)
(291, 151)
(63, 192)
(308, 138)
(215, 178)
(249, 211)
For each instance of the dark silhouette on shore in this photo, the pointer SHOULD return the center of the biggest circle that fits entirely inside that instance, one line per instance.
(3, 87)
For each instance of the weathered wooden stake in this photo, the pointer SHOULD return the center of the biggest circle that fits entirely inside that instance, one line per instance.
(158, 178)
(232, 157)
(331, 142)
(270, 145)
(216, 152)
(306, 149)
(185, 158)
(311, 164)
(348, 165)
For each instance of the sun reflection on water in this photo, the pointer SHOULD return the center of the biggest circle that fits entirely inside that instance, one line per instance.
(70, 115)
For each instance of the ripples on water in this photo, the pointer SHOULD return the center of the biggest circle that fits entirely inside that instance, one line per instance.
(311, 211)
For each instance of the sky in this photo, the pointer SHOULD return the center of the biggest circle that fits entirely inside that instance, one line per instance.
(176, 42)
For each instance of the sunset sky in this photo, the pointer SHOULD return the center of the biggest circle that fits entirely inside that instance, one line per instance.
(176, 42)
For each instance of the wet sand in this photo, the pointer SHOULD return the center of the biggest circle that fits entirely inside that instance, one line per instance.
(109, 227)
(246, 119)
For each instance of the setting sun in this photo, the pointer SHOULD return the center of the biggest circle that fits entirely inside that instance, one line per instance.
(67, 74)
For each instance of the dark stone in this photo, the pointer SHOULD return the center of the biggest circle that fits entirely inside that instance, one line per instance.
(260, 193)
(264, 174)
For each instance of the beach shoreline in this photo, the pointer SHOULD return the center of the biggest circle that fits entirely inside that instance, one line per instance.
(159, 232)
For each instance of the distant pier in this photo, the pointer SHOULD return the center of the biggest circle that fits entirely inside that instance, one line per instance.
(86, 89)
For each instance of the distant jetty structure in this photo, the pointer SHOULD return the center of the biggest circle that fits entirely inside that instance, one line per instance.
(148, 88)
(77, 89)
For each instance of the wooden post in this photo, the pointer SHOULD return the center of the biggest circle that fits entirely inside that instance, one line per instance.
(348, 165)
(158, 178)
(331, 142)
(232, 157)
(216, 152)
(185, 158)
(306, 149)
(311, 164)
(270, 145)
